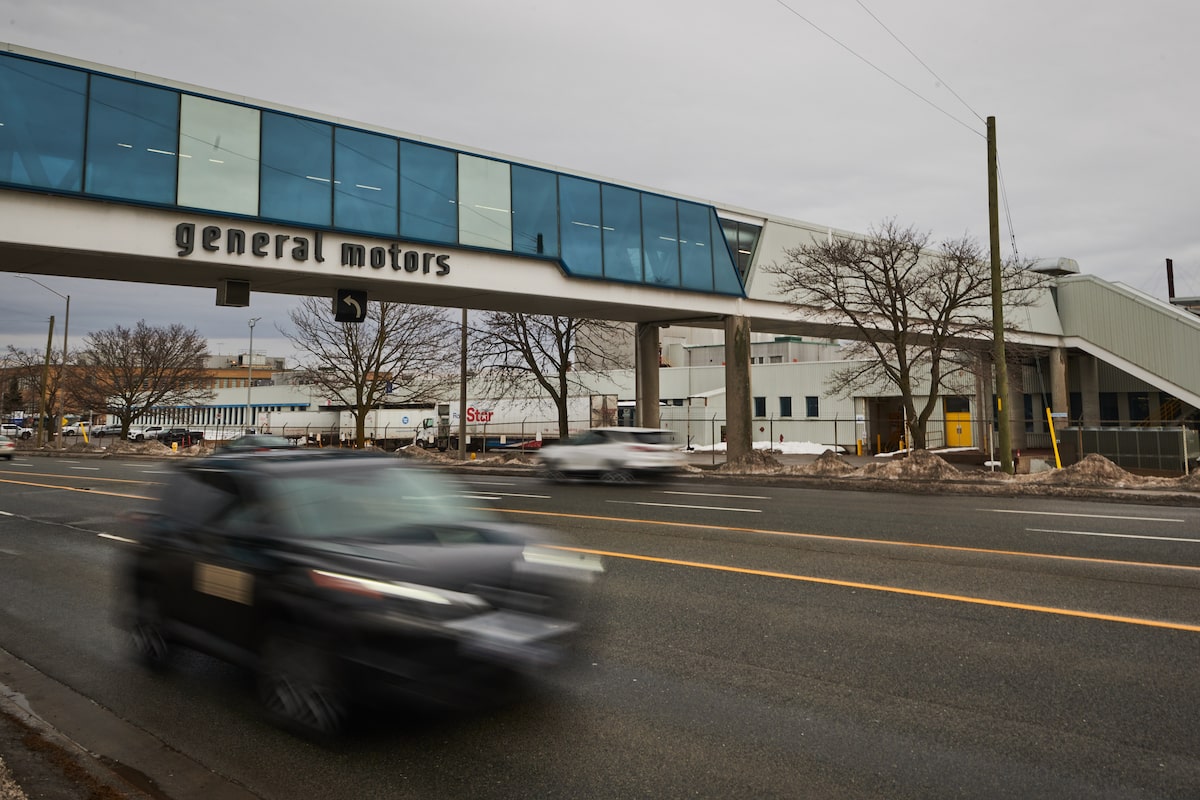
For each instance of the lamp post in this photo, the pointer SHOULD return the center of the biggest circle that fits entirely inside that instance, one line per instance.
(66, 328)
(250, 370)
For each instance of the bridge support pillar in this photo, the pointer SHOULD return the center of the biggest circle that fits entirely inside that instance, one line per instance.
(1089, 387)
(738, 416)
(646, 378)
(1060, 399)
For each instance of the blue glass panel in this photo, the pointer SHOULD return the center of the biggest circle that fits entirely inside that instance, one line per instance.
(695, 251)
(364, 192)
(660, 237)
(535, 211)
(725, 273)
(297, 170)
(579, 201)
(428, 193)
(42, 112)
(133, 133)
(622, 233)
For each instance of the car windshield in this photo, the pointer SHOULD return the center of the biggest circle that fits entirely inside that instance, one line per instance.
(654, 437)
(382, 502)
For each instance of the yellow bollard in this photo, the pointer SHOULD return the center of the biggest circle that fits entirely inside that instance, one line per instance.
(174, 447)
(472, 456)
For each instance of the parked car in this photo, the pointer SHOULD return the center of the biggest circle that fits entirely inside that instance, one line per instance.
(258, 443)
(614, 454)
(7, 447)
(184, 437)
(76, 429)
(15, 431)
(142, 434)
(101, 431)
(336, 574)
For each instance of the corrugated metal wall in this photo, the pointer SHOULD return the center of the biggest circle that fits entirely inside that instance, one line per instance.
(1152, 334)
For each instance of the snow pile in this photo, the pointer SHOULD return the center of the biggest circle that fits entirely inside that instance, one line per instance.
(828, 465)
(1093, 470)
(784, 448)
(919, 465)
(756, 462)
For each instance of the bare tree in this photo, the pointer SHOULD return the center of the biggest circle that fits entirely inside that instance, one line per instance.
(914, 313)
(130, 371)
(400, 352)
(25, 368)
(516, 352)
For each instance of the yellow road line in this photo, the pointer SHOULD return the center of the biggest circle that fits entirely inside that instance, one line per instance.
(90, 478)
(77, 489)
(1065, 612)
(849, 539)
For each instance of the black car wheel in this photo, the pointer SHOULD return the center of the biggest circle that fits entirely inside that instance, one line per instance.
(148, 634)
(299, 686)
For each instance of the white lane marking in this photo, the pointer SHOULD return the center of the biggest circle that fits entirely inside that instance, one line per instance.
(157, 472)
(116, 538)
(1086, 516)
(7, 514)
(491, 483)
(1117, 535)
(495, 495)
(712, 494)
(93, 469)
(680, 505)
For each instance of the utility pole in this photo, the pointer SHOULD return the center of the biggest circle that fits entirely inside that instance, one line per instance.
(1003, 422)
(43, 422)
(462, 392)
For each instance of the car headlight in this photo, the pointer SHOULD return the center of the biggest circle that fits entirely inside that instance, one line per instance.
(562, 559)
(405, 591)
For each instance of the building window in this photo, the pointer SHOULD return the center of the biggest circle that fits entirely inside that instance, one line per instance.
(776, 359)
(742, 238)
(621, 233)
(695, 250)
(580, 209)
(428, 193)
(218, 156)
(785, 406)
(760, 406)
(535, 211)
(133, 131)
(297, 169)
(660, 240)
(364, 196)
(43, 108)
(484, 213)
(812, 406)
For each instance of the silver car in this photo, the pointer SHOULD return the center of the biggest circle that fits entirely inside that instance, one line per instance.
(615, 455)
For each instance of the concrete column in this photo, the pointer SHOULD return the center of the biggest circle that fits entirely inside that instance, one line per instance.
(1015, 405)
(646, 378)
(1060, 398)
(1089, 388)
(738, 413)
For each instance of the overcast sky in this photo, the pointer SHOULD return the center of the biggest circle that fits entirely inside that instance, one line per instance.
(809, 109)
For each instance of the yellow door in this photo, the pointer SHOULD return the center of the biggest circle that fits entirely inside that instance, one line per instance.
(958, 429)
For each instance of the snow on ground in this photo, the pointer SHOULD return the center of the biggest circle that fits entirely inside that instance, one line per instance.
(787, 448)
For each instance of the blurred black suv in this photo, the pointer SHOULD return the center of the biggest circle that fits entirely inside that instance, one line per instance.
(333, 573)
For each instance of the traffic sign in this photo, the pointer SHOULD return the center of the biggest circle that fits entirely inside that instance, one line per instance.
(349, 305)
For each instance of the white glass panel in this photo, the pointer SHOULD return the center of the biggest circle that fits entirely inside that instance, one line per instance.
(218, 156)
(484, 203)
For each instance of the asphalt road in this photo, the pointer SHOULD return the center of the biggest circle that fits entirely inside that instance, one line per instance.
(747, 641)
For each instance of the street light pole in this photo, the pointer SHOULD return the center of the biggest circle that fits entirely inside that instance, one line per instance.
(62, 374)
(250, 370)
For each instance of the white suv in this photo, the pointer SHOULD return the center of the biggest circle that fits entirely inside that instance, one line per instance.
(15, 431)
(142, 434)
(616, 455)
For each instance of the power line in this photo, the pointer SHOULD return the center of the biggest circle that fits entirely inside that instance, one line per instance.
(880, 70)
(928, 69)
